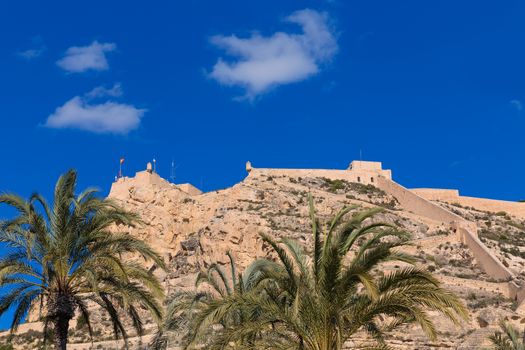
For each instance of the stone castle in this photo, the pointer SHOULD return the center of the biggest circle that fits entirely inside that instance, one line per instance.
(473, 246)
(419, 201)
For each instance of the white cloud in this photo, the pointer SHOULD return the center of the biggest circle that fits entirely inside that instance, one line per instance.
(82, 113)
(31, 53)
(38, 48)
(101, 91)
(517, 104)
(263, 62)
(83, 58)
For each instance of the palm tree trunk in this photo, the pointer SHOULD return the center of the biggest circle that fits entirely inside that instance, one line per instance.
(62, 311)
(61, 332)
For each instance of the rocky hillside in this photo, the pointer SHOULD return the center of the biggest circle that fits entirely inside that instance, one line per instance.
(192, 231)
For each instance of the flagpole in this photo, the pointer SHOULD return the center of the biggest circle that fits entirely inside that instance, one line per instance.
(120, 166)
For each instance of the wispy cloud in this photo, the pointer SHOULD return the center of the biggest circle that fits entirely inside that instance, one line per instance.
(95, 113)
(517, 104)
(36, 50)
(262, 62)
(31, 53)
(102, 91)
(83, 58)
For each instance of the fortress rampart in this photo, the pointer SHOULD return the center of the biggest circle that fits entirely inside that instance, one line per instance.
(466, 232)
(453, 197)
(488, 262)
(363, 172)
(419, 201)
(416, 204)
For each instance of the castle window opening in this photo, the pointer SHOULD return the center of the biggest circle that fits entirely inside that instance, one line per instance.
(372, 179)
(358, 179)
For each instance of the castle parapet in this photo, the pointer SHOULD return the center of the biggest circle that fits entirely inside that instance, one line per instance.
(370, 167)
(358, 171)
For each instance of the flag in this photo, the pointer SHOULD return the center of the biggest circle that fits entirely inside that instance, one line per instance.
(121, 160)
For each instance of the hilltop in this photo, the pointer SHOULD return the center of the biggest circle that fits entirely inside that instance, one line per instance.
(473, 245)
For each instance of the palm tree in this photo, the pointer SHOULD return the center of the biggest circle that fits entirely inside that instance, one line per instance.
(212, 286)
(63, 257)
(346, 283)
(508, 338)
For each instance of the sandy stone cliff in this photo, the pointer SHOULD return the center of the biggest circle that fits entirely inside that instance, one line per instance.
(475, 246)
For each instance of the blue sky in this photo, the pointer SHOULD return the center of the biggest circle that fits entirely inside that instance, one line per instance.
(434, 89)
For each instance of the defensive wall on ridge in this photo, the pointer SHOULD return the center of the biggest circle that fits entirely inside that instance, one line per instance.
(416, 204)
(484, 204)
(419, 202)
(358, 171)
(466, 231)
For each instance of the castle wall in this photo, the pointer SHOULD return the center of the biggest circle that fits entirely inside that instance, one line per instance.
(492, 205)
(374, 167)
(417, 201)
(436, 194)
(412, 201)
(365, 165)
(513, 208)
(465, 230)
(362, 176)
(488, 262)
(416, 204)
(517, 293)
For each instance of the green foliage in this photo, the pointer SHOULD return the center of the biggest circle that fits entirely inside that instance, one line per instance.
(319, 300)
(335, 185)
(64, 256)
(213, 285)
(81, 323)
(513, 251)
(517, 225)
(507, 339)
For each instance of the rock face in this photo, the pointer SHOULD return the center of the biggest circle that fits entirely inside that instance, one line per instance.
(193, 229)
